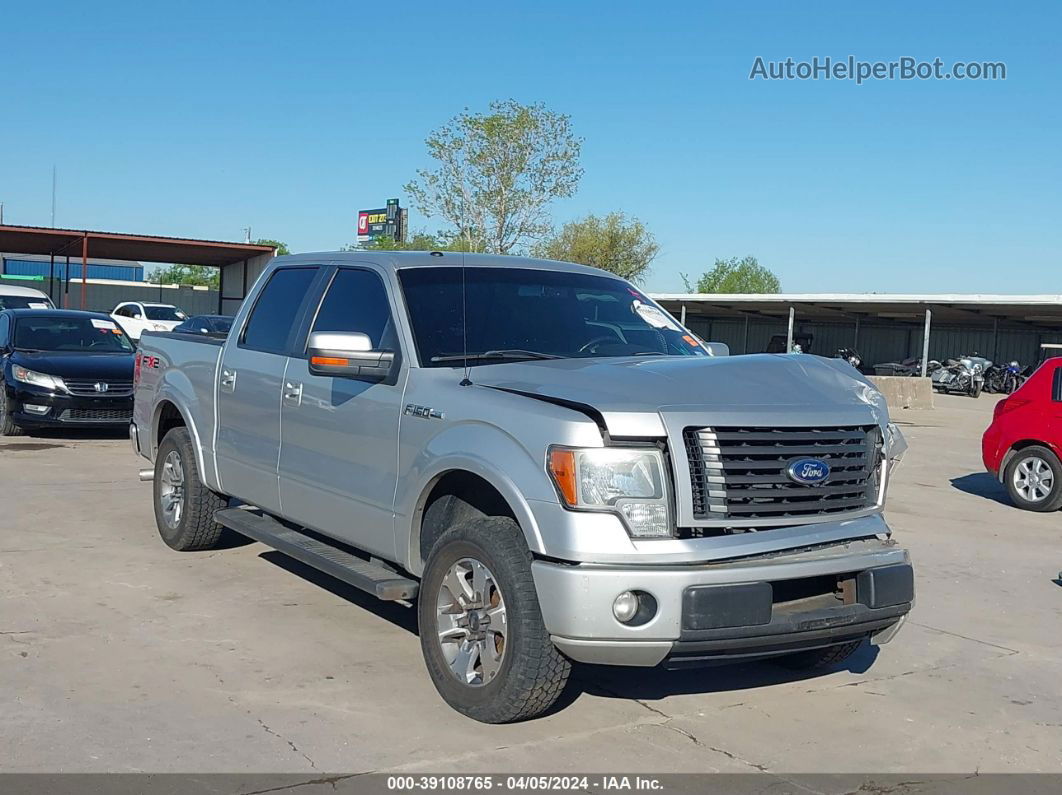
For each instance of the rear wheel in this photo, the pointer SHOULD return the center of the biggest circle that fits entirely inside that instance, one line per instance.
(481, 630)
(7, 425)
(1034, 479)
(184, 507)
(814, 659)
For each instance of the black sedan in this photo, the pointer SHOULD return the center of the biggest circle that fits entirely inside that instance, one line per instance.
(61, 368)
(211, 325)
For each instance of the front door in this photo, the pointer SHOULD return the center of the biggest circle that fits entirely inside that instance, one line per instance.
(339, 451)
(249, 393)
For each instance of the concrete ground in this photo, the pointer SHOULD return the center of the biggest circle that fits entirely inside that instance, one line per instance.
(117, 654)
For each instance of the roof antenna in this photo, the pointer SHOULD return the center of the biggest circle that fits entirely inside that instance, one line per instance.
(466, 381)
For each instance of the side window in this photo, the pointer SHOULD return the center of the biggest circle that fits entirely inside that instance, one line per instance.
(133, 310)
(357, 301)
(276, 310)
(5, 325)
(120, 311)
(1056, 385)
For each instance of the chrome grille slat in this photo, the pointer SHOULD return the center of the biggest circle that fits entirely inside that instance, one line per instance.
(741, 472)
(87, 387)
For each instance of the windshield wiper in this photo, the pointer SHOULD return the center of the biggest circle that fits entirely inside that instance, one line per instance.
(513, 354)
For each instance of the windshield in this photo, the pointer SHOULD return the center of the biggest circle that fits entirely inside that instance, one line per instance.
(164, 313)
(24, 302)
(521, 313)
(88, 334)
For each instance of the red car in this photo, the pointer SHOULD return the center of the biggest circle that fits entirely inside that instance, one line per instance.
(1023, 445)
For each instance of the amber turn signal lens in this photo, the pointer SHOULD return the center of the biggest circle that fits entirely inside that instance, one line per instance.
(329, 361)
(562, 468)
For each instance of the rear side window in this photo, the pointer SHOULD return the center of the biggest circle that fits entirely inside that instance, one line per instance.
(276, 310)
(1056, 385)
(357, 301)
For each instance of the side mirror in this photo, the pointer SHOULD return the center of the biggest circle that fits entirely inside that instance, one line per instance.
(717, 348)
(347, 355)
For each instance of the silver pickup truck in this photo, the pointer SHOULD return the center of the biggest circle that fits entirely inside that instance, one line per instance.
(542, 458)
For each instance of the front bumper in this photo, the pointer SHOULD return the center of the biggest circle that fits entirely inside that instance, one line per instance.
(753, 607)
(64, 410)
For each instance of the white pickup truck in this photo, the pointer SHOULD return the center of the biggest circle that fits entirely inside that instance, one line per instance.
(538, 455)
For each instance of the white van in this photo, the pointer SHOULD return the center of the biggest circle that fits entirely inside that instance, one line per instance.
(12, 297)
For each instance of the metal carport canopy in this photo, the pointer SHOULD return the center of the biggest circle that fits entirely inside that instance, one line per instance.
(972, 309)
(83, 243)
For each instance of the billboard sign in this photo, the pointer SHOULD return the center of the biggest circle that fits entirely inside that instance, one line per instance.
(382, 222)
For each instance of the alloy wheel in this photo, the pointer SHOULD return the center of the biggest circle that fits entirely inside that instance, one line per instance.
(471, 622)
(171, 489)
(1034, 479)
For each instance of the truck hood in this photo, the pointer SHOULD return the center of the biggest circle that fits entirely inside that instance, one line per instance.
(635, 396)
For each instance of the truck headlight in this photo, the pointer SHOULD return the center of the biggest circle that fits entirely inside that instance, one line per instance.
(624, 480)
(32, 377)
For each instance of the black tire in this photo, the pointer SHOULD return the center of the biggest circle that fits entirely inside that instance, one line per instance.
(815, 659)
(1052, 501)
(531, 674)
(975, 389)
(194, 528)
(7, 425)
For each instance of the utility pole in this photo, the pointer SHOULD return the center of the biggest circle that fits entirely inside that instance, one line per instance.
(247, 229)
(1, 213)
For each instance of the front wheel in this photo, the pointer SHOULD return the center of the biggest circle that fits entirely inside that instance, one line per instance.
(481, 630)
(1034, 479)
(975, 389)
(7, 425)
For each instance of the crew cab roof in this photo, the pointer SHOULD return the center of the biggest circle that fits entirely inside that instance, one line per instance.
(11, 289)
(397, 260)
(56, 313)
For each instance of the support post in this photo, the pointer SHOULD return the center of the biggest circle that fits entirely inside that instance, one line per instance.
(682, 316)
(51, 276)
(745, 347)
(995, 339)
(789, 334)
(855, 337)
(84, 269)
(925, 342)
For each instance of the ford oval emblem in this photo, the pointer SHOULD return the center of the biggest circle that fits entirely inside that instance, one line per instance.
(808, 471)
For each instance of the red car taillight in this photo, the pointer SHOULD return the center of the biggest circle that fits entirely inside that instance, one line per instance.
(136, 370)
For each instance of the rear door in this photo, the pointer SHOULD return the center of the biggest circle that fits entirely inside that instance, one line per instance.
(249, 382)
(339, 456)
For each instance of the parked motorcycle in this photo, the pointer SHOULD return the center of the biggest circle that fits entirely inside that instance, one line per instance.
(962, 376)
(1004, 379)
(850, 355)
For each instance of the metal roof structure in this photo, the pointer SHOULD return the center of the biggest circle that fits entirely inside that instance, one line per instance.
(121, 246)
(82, 244)
(973, 309)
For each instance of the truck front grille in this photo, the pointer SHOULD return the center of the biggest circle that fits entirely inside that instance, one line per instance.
(741, 473)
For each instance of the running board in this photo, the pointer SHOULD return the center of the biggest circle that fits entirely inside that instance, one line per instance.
(377, 580)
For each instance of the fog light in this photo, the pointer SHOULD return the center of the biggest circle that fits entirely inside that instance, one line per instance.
(625, 608)
(34, 409)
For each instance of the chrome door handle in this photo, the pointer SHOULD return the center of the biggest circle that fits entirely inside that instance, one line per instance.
(293, 392)
(228, 378)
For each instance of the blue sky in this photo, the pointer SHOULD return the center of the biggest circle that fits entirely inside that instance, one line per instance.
(199, 119)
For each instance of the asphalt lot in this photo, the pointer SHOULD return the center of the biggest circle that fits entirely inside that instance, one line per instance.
(117, 654)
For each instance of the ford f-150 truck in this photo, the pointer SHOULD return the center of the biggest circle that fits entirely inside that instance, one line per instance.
(540, 457)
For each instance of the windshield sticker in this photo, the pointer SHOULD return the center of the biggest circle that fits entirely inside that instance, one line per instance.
(653, 316)
(103, 324)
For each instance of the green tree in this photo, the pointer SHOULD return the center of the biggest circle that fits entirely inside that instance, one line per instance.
(279, 245)
(420, 241)
(497, 173)
(613, 243)
(197, 275)
(734, 275)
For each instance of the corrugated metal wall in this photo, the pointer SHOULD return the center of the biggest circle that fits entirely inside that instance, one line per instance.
(880, 341)
(104, 297)
(19, 267)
